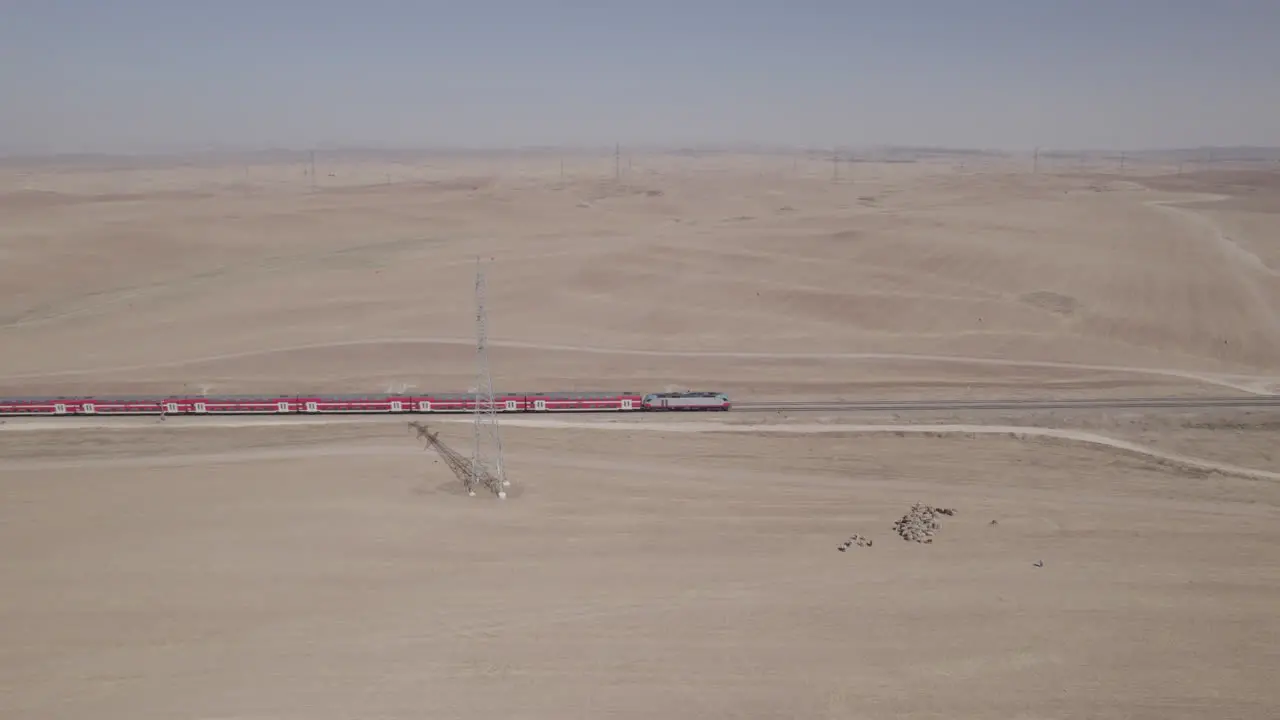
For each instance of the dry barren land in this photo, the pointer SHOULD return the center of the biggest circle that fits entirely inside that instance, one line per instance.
(1114, 565)
(757, 275)
(337, 571)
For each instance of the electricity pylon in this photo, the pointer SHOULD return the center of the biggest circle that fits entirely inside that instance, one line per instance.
(486, 455)
(461, 467)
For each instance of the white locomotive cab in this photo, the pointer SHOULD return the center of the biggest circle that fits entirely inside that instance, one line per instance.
(687, 401)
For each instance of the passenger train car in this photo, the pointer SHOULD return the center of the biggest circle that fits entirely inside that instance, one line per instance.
(535, 402)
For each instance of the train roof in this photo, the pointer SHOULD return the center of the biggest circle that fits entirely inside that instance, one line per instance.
(336, 396)
(63, 398)
(697, 393)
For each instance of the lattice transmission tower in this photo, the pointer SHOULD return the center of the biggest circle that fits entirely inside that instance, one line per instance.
(486, 457)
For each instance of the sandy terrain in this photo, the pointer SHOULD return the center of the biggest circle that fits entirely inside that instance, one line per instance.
(335, 572)
(642, 567)
(893, 282)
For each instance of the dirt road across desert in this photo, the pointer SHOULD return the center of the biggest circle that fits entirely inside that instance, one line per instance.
(1104, 558)
(932, 429)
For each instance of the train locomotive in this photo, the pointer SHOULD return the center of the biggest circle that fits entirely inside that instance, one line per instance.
(528, 402)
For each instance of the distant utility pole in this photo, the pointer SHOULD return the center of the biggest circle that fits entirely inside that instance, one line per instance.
(1035, 162)
(1122, 163)
(617, 161)
(835, 165)
(313, 169)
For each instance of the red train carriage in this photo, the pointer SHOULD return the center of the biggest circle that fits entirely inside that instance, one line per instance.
(531, 402)
(536, 402)
(582, 401)
(117, 405)
(353, 403)
(35, 405)
(105, 405)
(447, 402)
(186, 405)
(236, 405)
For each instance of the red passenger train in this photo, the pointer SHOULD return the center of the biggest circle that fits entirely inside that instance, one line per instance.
(531, 402)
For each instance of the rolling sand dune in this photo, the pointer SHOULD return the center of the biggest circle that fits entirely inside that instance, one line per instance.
(902, 260)
(1103, 565)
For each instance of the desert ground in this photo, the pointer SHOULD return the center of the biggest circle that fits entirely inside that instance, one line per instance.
(1099, 563)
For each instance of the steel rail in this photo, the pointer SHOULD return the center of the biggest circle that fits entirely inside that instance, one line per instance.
(1008, 404)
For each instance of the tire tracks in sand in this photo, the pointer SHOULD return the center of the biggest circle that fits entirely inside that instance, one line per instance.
(1229, 246)
(1246, 265)
(1016, 432)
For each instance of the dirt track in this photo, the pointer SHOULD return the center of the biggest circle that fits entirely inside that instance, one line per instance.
(1014, 431)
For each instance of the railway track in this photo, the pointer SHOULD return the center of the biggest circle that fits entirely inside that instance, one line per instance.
(1186, 403)
(869, 406)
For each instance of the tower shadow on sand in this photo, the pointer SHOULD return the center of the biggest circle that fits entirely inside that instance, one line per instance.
(472, 478)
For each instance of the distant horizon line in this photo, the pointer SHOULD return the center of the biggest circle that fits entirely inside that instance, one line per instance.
(1224, 153)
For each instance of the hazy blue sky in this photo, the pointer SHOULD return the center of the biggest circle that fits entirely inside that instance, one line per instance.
(111, 75)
